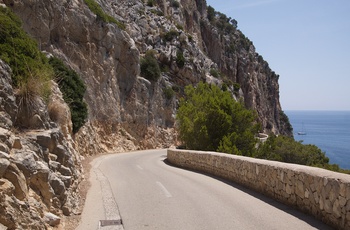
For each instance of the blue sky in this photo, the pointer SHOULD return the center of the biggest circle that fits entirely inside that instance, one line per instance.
(306, 42)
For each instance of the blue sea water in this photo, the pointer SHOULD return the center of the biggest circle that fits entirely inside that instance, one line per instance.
(328, 130)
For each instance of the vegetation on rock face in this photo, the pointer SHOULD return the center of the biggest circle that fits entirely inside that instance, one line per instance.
(73, 90)
(180, 59)
(170, 35)
(31, 73)
(227, 25)
(285, 120)
(169, 92)
(151, 3)
(149, 67)
(96, 9)
(210, 119)
(175, 4)
(221, 21)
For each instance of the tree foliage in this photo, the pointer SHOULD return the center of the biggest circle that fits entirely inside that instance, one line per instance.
(221, 21)
(210, 119)
(286, 149)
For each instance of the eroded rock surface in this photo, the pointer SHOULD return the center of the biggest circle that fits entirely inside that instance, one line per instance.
(39, 169)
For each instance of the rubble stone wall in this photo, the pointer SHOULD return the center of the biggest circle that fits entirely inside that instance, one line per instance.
(321, 193)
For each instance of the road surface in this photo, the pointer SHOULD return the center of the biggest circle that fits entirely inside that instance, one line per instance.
(147, 193)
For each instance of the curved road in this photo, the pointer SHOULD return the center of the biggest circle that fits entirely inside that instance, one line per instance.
(149, 194)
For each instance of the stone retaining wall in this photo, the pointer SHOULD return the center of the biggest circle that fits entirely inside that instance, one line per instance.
(321, 193)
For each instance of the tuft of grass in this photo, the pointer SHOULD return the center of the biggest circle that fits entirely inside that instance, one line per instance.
(56, 112)
(96, 9)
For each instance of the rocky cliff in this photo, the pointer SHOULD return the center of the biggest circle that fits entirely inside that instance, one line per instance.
(40, 169)
(121, 101)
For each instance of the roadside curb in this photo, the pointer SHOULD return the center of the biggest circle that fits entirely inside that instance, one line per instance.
(113, 219)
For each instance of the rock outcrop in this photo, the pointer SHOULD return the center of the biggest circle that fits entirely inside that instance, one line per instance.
(39, 169)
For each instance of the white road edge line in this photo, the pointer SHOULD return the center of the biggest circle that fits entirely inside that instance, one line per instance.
(166, 192)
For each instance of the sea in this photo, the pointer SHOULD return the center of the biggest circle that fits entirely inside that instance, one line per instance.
(328, 130)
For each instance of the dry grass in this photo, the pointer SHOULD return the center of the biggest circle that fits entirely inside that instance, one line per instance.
(57, 112)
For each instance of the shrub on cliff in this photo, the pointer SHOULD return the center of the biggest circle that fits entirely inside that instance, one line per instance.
(210, 119)
(149, 67)
(31, 73)
(73, 90)
(180, 59)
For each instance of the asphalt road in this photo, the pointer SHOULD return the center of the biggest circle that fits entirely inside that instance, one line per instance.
(147, 193)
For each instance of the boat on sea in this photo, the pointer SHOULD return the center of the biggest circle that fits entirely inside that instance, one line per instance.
(302, 132)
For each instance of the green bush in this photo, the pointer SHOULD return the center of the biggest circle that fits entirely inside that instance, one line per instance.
(285, 121)
(215, 73)
(170, 35)
(73, 90)
(169, 93)
(175, 4)
(179, 27)
(157, 12)
(31, 73)
(180, 59)
(151, 3)
(236, 87)
(210, 13)
(190, 38)
(96, 9)
(210, 119)
(150, 67)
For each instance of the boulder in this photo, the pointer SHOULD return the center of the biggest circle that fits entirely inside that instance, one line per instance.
(57, 185)
(39, 182)
(16, 177)
(6, 187)
(52, 219)
(26, 161)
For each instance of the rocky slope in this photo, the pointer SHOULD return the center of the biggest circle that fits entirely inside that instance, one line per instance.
(40, 167)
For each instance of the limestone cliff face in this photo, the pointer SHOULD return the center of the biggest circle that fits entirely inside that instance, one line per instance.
(108, 60)
(40, 168)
